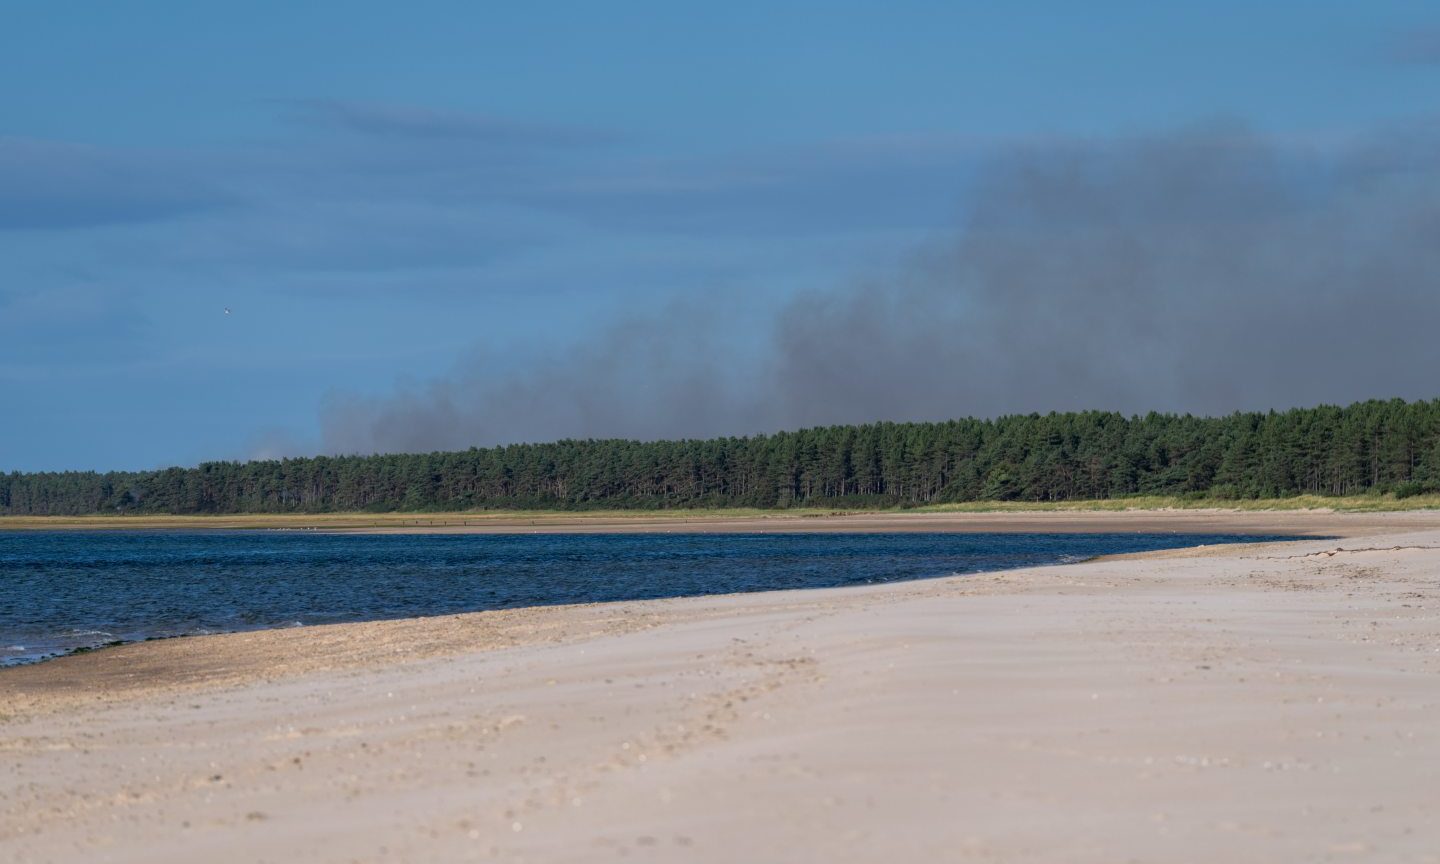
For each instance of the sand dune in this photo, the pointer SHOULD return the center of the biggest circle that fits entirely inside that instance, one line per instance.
(1276, 702)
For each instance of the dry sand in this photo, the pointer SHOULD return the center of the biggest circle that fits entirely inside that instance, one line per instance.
(1277, 702)
(1217, 521)
(1080, 518)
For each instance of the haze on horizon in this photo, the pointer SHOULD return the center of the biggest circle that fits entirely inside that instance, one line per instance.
(358, 228)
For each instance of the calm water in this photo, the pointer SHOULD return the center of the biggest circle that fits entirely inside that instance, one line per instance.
(60, 591)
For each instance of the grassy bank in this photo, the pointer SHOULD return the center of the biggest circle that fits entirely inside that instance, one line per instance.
(540, 518)
(335, 521)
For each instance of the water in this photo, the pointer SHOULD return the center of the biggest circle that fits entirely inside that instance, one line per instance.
(62, 591)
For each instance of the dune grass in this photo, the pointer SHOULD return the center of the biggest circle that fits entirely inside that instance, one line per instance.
(325, 521)
(333, 521)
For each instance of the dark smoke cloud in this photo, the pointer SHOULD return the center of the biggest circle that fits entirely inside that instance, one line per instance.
(672, 374)
(1204, 271)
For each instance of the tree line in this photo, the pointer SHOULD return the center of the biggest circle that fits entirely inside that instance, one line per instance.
(1376, 446)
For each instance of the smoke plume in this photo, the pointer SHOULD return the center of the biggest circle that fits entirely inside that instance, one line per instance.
(1205, 271)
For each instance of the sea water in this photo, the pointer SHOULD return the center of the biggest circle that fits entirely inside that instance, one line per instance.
(65, 591)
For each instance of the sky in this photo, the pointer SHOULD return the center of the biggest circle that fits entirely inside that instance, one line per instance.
(440, 225)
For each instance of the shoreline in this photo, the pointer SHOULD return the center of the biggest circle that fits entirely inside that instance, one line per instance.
(1241, 702)
(1299, 522)
(1294, 524)
(1017, 525)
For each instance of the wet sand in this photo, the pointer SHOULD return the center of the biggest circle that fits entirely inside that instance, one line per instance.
(1271, 702)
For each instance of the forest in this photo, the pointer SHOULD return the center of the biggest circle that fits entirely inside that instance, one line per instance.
(1376, 446)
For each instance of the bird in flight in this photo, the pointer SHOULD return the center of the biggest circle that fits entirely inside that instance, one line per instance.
(227, 310)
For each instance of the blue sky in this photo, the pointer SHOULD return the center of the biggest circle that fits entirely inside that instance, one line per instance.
(379, 192)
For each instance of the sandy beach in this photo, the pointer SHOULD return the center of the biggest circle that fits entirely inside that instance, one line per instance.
(1261, 702)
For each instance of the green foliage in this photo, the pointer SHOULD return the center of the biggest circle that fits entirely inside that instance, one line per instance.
(1368, 447)
(1225, 492)
(1408, 489)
